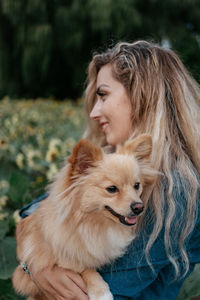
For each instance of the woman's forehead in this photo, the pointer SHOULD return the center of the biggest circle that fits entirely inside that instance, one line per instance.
(105, 76)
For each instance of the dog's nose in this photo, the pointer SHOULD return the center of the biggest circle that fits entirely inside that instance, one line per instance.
(137, 208)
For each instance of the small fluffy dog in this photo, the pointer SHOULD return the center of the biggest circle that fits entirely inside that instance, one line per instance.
(89, 216)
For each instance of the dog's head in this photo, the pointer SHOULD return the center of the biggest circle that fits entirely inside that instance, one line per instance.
(112, 184)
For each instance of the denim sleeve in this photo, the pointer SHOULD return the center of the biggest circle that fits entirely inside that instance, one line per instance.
(130, 275)
(137, 281)
(164, 287)
(31, 207)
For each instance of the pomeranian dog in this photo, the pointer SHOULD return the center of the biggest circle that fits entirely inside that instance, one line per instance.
(89, 216)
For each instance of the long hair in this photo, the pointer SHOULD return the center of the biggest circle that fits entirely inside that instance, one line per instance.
(165, 104)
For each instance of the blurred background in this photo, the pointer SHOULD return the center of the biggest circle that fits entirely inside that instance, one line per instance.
(45, 48)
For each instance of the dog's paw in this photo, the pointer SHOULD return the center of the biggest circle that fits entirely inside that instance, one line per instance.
(105, 296)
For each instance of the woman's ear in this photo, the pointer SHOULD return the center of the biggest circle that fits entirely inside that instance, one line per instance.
(84, 156)
(140, 147)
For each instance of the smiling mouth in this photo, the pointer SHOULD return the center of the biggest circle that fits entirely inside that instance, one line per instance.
(104, 126)
(126, 220)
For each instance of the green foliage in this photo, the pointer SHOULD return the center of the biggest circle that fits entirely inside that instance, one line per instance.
(45, 46)
(191, 287)
(15, 193)
(7, 253)
(35, 139)
(4, 228)
(7, 292)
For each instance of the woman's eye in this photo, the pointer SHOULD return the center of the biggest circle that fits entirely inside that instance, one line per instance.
(101, 94)
(137, 186)
(112, 189)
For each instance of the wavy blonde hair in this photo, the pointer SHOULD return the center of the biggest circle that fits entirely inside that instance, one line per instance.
(166, 104)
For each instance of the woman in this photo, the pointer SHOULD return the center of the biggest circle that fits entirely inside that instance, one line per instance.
(137, 88)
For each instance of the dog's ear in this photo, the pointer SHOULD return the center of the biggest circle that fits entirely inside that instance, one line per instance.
(140, 147)
(84, 156)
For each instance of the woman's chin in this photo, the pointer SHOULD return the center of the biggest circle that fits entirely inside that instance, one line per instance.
(113, 140)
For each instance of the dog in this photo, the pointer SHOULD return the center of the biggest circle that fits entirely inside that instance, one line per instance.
(89, 217)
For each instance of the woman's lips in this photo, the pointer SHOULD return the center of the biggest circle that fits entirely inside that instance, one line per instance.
(104, 126)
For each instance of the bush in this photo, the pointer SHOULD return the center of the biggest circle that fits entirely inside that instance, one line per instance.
(35, 139)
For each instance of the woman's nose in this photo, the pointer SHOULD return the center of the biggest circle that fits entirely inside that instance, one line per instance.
(96, 111)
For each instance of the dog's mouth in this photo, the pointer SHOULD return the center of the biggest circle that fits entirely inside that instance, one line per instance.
(126, 220)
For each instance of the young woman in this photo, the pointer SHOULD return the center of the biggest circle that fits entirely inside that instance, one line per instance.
(137, 88)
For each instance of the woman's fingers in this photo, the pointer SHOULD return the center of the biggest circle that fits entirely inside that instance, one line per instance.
(75, 291)
(77, 279)
(60, 284)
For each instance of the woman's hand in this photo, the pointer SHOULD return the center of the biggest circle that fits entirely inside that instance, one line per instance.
(60, 284)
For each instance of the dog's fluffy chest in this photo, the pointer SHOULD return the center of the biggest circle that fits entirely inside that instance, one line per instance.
(89, 245)
(104, 245)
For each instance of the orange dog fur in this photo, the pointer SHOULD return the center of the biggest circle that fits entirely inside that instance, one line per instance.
(87, 219)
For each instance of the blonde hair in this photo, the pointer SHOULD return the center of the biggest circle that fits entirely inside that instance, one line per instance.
(166, 104)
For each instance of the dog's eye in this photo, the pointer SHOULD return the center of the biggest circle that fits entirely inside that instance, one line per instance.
(137, 186)
(112, 189)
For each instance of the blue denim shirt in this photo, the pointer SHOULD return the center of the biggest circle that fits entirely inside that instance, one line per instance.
(130, 277)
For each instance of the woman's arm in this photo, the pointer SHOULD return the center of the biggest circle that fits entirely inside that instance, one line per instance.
(143, 284)
(164, 287)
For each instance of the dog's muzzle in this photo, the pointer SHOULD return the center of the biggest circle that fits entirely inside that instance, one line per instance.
(131, 219)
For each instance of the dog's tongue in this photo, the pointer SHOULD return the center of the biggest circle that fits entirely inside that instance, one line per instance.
(131, 220)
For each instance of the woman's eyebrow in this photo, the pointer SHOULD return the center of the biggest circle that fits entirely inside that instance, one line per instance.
(101, 85)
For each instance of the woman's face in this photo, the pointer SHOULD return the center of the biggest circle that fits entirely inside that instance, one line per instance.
(112, 109)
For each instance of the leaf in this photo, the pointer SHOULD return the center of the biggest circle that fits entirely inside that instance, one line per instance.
(19, 185)
(7, 292)
(7, 257)
(4, 227)
(191, 286)
(5, 165)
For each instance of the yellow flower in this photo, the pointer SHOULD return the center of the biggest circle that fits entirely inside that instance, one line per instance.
(16, 216)
(7, 123)
(3, 143)
(15, 119)
(55, 143)
(33, 158)
(3, 201)
(53, 149)
(53, 170)
(52, 154)
(4, 184)
(39, 179)
(4, 187)
(3, 216)
(20, 160)
(68, 146)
